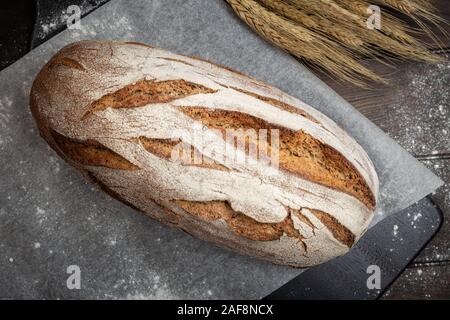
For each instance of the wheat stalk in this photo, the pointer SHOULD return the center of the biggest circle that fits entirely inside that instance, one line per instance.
(390, 26)
(376, 38)
(333, 34)
(418, 10)
(302, 43)
(319, 25)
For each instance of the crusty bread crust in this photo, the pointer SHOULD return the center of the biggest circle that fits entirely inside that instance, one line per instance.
(113, 110)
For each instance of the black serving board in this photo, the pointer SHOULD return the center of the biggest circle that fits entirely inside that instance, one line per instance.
(390, 245)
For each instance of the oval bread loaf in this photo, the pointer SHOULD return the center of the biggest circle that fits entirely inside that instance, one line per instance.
(119, 112)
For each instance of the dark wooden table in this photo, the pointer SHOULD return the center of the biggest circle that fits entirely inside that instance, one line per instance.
(414, 110)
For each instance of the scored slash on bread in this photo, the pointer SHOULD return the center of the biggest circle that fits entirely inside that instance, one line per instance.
(115, 111)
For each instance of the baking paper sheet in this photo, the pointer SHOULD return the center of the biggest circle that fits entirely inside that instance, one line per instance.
(50, 218)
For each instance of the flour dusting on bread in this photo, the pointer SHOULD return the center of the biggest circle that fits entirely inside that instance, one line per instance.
(119, 112)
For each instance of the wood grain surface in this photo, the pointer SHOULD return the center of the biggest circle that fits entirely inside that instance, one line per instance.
(415, 111)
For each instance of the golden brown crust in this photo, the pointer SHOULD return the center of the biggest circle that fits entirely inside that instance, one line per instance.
(238, 222)
(144, 92)
(164, 148)
(109, 191)
(67, 62)
(279, 104)
(254, 230)
(340, 232)
(91, 153)
(300, 153)
(139, 44)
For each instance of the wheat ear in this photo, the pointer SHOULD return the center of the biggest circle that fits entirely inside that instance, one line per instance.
(333, 34)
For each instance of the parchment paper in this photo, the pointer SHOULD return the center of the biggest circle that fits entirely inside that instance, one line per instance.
(51, 218)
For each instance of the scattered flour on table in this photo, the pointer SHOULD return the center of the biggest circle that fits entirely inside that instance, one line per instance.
(41, 215)
(420, 119)
(48, 26)
(420, 122)
(395, 230)
(111, 241)
(5, 119)
(54, 21)
(159, 294)
(5, 105)
(139, 287)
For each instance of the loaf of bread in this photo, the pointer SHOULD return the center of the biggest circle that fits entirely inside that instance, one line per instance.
(153, 129)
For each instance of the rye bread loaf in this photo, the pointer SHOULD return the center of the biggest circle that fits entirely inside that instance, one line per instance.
(117, 111)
